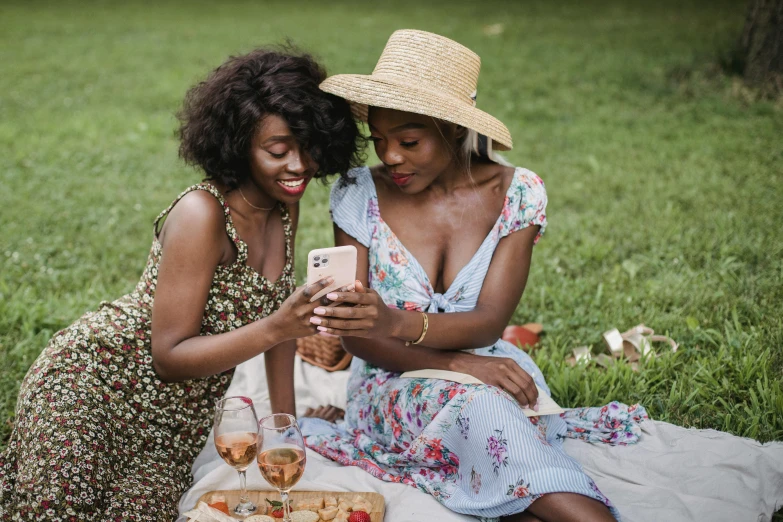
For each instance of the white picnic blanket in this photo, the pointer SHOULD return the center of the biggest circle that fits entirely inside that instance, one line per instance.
(672, 474)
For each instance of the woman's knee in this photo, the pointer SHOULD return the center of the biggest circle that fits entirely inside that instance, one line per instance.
(570, 507)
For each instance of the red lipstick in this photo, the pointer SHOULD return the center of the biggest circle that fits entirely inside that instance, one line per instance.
(401, 178)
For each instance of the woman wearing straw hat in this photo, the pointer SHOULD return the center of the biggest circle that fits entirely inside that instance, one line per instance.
(445, 233)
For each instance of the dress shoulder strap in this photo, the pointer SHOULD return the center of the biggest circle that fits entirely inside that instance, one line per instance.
(289, 236)
(230, 230)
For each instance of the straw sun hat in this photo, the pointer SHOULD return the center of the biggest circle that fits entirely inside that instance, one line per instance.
(423, 73)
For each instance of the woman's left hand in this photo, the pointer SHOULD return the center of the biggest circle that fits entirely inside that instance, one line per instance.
(364, 314)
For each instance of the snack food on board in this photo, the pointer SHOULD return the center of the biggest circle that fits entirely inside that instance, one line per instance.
(309, 504)
(219, 502)
(259, 518)
(359, 516)
(304, 516)
(361, 504)
(331, 508)
(276, 508)
(328, 513)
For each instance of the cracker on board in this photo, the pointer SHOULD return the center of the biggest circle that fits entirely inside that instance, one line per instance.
(309, 504)
(362, 506)
(304, 516)
(259, 518)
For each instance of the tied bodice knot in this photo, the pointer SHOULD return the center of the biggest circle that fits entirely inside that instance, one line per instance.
(438, 303)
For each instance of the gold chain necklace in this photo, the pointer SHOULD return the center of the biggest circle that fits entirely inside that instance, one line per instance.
(252, 205)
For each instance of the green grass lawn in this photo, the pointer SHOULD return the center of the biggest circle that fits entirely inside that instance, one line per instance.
(664, 176)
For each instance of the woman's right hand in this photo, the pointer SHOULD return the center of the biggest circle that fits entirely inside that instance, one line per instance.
(502, 372)
(293, 317)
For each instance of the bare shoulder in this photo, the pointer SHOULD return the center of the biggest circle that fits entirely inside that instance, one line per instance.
(496, 177)
(198, 216)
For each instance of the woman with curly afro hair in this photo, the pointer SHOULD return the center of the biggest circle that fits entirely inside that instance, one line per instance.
(113, 412)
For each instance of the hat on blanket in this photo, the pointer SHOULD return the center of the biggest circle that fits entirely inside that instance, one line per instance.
(427, 74)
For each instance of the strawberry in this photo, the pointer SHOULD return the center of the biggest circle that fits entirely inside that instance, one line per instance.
(359, 516)
(277, 508)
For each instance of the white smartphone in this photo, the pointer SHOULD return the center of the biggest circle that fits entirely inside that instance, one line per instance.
(338, 262)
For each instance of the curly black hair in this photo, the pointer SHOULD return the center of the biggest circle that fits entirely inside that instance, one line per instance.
(221, 114)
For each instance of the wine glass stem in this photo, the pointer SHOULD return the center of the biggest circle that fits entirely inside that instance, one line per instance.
(286, 507)
(243, 488)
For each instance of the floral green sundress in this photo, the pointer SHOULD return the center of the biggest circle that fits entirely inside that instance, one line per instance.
(97, 435)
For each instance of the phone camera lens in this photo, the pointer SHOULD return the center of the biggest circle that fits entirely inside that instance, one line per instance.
(316, 258)
(316, 265)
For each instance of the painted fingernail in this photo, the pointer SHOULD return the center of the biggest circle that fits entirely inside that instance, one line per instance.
(351, 287)
(535, 407)
(315, 320)
(332, 297)
(329, 280)
(320, 311)
(321, 328)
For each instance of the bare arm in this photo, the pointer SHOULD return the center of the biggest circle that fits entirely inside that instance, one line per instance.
(280, 377)
(280, 359)
(192, 250)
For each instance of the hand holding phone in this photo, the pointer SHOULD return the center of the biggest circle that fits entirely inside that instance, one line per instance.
(339, 263)
(366, 314)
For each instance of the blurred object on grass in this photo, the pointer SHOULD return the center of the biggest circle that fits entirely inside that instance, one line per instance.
(494, 29)
(761, 46)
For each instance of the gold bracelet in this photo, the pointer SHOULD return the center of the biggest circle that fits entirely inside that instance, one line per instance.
(423, 331)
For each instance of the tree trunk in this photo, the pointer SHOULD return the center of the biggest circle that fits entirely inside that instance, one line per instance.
(762, 44)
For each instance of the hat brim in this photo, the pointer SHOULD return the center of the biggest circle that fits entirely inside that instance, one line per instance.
(364, 91)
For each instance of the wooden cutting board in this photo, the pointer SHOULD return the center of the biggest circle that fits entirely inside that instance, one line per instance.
(258, 498)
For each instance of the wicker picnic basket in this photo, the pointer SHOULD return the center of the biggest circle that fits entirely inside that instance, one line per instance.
(323, 351)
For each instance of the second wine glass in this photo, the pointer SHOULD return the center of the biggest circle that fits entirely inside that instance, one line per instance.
(281, 455)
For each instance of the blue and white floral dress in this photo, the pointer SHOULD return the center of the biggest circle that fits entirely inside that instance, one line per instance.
(470, 446)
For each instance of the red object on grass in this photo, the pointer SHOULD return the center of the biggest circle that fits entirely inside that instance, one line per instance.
(520, 336)
(359, 516)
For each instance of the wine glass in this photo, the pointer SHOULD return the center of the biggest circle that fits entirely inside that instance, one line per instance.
(236, 438)
(281, 455)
